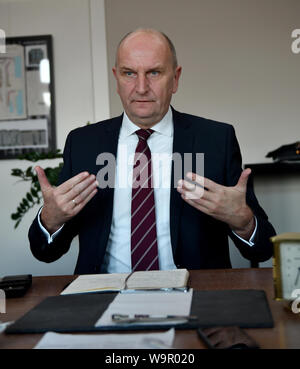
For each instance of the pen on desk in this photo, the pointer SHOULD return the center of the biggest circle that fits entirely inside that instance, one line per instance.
(145, 318)
(203, 337)
(148, 290)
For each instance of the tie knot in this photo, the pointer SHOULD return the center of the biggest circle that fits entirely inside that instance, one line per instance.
(144, 134)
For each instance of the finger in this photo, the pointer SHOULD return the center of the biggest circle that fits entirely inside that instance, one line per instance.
(85, 193)
(192, 190)
(70, 183)
(196, 205)
(202, 181)
(190, 186)
(81, 205)
(199, 191)
(44, 183)
(196, 196)
(80, 187)
(243, 180)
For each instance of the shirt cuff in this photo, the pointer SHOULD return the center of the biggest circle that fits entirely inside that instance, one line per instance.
(250, 242)
(50, 238)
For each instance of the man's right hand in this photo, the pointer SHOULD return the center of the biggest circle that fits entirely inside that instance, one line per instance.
(62, 203)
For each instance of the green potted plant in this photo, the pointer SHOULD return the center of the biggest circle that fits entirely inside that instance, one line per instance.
(34, 195)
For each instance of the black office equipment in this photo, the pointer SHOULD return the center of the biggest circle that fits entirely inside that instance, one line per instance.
(286, 152)
(15, 285)
(79, 313)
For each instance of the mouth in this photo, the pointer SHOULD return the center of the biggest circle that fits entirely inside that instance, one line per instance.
(143, 101)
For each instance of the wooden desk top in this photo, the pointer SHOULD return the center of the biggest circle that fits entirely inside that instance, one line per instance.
(285, 334)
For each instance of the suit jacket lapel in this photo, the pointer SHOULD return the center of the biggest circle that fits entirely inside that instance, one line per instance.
(108, 144)
(183, 143)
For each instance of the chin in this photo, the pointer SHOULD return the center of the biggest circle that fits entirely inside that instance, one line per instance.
(145, 120)
(144, 114)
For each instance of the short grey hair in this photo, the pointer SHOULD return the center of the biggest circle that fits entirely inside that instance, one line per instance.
(155, 32)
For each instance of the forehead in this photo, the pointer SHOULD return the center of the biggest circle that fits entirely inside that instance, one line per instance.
(145, 49)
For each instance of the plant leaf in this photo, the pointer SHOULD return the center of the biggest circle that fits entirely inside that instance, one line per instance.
(16, 172)
(29, 172)
(25, 202)
(15, 216)
(17, 223)
(33, 192)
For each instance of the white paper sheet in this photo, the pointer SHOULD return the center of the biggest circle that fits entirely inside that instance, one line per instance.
(150, 303)
(52, 340)
(3, 326)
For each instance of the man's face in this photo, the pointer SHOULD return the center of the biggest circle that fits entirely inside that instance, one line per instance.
(146, 78)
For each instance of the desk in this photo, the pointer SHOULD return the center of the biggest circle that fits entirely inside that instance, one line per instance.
(285, 334)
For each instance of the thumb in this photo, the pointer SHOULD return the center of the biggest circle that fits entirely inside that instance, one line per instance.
(242, 182)
(44, 183)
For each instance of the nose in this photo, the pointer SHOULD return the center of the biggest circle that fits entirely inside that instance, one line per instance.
(142, 85)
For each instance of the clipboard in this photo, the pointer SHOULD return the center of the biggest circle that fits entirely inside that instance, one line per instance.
(79, 313)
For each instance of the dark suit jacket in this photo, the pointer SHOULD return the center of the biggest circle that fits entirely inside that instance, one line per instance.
(198, 241)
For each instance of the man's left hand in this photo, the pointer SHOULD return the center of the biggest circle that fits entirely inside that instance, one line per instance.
(227, 204)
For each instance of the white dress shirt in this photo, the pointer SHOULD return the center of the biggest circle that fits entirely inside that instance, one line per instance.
(118, 253)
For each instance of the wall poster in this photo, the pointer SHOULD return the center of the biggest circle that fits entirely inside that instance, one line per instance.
(27, 110)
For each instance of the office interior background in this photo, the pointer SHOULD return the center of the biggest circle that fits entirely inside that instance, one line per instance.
(238, 67)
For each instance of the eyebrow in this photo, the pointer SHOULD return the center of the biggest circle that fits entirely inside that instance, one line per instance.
(156, 67)
(126, 68)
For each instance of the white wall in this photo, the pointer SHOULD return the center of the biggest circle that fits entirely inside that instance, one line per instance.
(81, 95)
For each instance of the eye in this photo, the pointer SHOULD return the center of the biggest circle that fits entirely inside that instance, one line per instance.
(154, 73)
(129, 74)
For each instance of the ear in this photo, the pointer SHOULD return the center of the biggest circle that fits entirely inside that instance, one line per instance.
(114, 70)
(177, 75)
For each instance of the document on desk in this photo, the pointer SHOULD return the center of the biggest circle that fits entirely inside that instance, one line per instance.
(52, 340)
(148, 303)
(152, 279)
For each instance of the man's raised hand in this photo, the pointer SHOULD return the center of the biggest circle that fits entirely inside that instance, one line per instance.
(227, 204)
(62, 203)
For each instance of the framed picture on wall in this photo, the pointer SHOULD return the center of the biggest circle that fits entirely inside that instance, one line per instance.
(27, 103)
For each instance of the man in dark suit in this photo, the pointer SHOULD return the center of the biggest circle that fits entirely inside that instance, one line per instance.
(183, 224)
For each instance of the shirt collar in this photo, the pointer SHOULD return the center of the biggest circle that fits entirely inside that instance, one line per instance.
(164, 127)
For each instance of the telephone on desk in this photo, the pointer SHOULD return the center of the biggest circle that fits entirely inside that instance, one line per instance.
(286, 153)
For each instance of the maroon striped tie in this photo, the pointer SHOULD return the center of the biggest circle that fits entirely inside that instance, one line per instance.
(144, 254)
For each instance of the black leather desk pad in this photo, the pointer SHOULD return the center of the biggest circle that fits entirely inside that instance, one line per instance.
(79, 313)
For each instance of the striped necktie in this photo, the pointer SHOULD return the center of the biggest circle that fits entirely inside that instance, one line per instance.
(144, 253)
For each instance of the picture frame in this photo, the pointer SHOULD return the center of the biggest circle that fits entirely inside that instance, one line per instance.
(27, 97)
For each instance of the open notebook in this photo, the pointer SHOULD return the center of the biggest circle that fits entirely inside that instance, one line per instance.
(153, 279)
